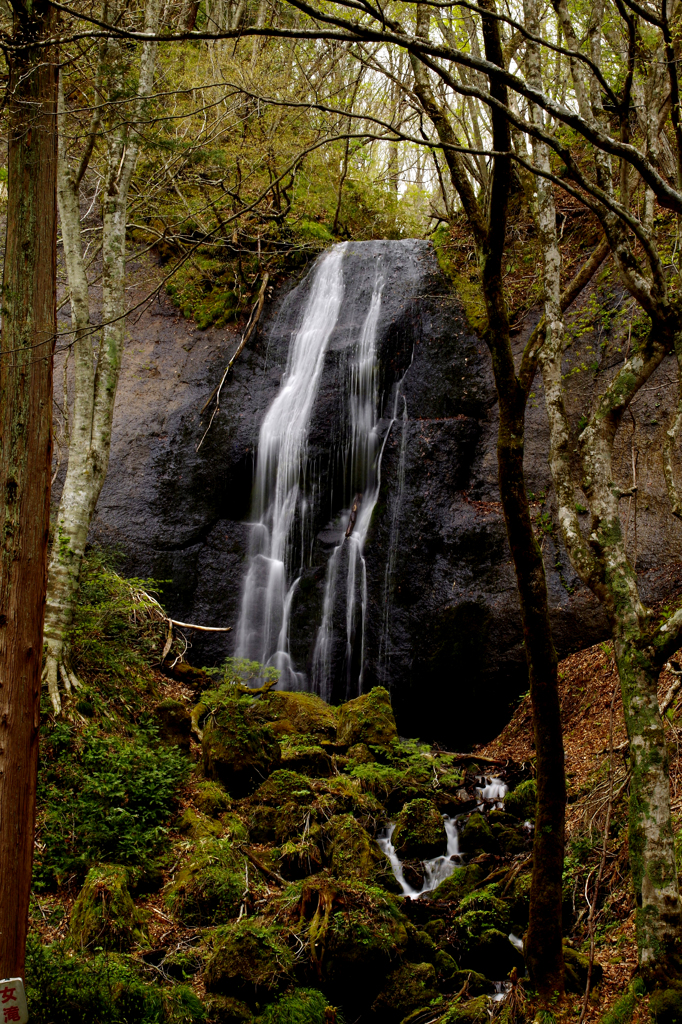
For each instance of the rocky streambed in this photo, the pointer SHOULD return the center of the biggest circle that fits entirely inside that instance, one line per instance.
(326, 870)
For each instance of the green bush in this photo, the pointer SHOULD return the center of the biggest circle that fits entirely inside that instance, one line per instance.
(107, 989)
(302, 1006)
(110, 800)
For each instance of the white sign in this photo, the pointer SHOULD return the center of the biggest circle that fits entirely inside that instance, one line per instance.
(12, 1001)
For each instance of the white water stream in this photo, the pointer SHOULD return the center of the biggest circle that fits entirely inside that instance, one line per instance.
(263, 631)
(436, 870)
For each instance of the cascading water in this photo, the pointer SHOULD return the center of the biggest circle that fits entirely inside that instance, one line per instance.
(278, 490)
(436, 870)
(363, 462)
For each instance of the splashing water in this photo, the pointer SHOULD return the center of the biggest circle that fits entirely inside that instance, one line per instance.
(492, 791)
(263, 631)
(436, 870)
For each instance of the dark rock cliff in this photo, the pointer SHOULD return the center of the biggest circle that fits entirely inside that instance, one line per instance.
(448, 643)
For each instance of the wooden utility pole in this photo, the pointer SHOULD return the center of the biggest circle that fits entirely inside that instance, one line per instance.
(26, 351)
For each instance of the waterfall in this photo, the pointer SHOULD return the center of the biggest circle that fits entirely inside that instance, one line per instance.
(436, 870)
(363, 480)
(280, 472)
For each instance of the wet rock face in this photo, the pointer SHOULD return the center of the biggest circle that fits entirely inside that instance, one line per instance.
(443, 631)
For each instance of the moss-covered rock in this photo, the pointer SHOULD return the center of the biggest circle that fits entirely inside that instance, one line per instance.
(308, 760)
(211, 799)
(225, 1010)
(491, 952)
(512, 841)
(104, 914)
(576, 966)
(198, 826)
(477, 984)
(462, 881)
(419, 830)
(360, 753)
(367, 719)
(280, 808)
(480, 910)
(352, 851)
(175, 722)
(522, 800)
(518, 901)
(251, 962)
(210, 887)
(476, 837)
(666, 1006)
(302, 1006)
(472, 1011)
(406, 989)
(238, 749)
(298, 713)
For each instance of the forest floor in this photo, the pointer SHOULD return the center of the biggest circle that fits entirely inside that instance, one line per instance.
(592, 716)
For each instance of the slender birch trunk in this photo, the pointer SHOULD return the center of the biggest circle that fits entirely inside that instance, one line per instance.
(26, 349)
(96, 372)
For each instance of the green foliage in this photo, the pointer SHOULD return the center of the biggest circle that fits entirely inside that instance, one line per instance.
(302, 1006)
(240, 671)
(107, 989)
(103, 799)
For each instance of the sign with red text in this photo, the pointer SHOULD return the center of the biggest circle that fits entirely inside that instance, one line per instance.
(12, 1001)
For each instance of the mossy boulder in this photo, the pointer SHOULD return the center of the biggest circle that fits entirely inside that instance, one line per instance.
(352, 851)
(666, 1006)
(576, 966)
(518, 901)
(210, 886)
(419, 830)
(280, 808)
(302, 1006)
(251, 962)
(480, 910)
(360, 753)
(104, 914)
(491, 952)
(225, 1010)
(308, 760)
(367, 719)
(211, 799)
(472, 1011)
(477, 984)
(175, 723)
(522, 800)
(462, 881)
(299, 714)
(476, 837)
(405, 990)
(238, 749)
(198, 826)
(512, 841)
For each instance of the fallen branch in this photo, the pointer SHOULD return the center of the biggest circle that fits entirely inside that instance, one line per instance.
(261, 867)
(250, 327)
(204, 629)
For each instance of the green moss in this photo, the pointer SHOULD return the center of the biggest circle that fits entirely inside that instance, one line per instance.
(352, 851)
(479, 911)
(211, 799)
(367, 719)
(250, 962)
(198, 826)
(302, 1006)
(225, 1010)
(522, 800)
(211, 885)
(409, 987)
(238, 749)
(476, 837)
(298, 714)
(461, 881)
(473, 1011)
(419, 831)
(104, 914)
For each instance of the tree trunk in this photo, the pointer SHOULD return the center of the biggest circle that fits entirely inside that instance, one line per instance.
(26, 350)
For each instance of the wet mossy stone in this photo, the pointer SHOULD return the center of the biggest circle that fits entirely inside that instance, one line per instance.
(518, 901)
(492, 953)
(211, 799)
(352, 851)
(406, 989)
(238, 749)
(665, 1006)
(512, 841)
(210, 887)
(367, 719)
(477, 984)
(360, 753)
(479, 911)
(298, 713)
(302, 1006)
(576, 966)
(522, 800)
(498, 817)
(462, 881)
(308, 760)
(175, 723)
(225, 1010)
(198, 826)
(472, 1011)
(104, 914)
(251, 962)
(476, 837)
(280, 807)
(419, 830)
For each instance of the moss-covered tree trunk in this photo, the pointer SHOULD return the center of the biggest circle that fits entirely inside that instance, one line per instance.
(26, 350)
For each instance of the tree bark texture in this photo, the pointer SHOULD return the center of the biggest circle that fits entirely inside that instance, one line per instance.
(543, 946)
(26, 351)
(96, 370)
